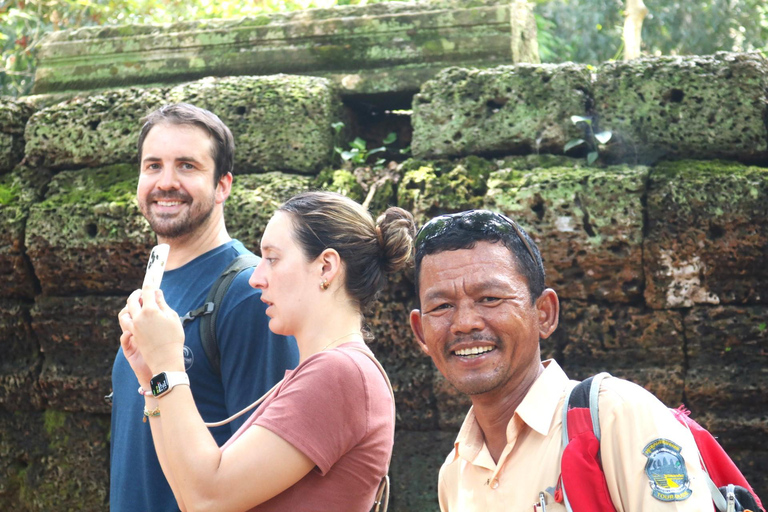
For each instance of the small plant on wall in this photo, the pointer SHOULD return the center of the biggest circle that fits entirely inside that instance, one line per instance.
(358, 154)
(595, 142)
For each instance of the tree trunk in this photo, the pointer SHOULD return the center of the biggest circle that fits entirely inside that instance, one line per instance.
(636, 11)
(525, 47)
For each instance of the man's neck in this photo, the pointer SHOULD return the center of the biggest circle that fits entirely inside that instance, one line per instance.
(494, 410)
(188, 247)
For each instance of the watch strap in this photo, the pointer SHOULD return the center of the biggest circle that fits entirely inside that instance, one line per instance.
(164, 382)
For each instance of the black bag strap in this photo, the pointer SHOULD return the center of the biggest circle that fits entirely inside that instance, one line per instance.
(209, 311)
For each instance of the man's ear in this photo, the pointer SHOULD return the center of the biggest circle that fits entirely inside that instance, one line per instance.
(418, 330)
(548, 311)
(223, 188)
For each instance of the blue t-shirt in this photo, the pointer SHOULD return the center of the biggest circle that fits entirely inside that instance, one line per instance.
(252, 360)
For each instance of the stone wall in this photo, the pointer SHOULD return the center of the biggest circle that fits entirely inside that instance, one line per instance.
(658, 251)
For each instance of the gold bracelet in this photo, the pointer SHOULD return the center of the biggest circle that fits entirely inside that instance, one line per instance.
(149, 414)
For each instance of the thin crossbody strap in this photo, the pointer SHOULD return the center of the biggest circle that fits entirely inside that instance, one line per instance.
(238, 414)
(381, 501)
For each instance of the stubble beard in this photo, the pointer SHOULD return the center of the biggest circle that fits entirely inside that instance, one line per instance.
(180, 225)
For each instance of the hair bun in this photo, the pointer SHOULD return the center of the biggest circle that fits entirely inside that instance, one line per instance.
(395, 230)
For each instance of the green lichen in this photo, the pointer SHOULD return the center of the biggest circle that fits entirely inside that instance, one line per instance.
(341, 181)
(54, 421)
(429, 188)
(114, 186)
(706, 188)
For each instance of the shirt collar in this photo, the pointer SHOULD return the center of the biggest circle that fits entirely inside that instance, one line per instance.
(537, 410)
(540, 404)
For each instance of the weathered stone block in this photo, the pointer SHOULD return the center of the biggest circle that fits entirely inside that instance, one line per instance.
(637, 344)
(707, 234)
(88, 235)
(18, 190)
(54, 461)
(253, 201)
(79, 337)
(358, 184)
(371, 49)
(504, 110)
(278, 122)
(21, 358)
(587, 222)
(727, 359)
(90, 130)
(13, 118)
(416, 461)
(711, 106)
(431, 188)
(409, 369)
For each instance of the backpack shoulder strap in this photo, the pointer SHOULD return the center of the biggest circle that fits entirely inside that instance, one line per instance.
(583, 397)
(213, 301)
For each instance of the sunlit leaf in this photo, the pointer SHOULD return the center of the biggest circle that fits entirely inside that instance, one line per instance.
(358, 143)
(591, 157)
(603, 136)
(572, 144)
(581, 119)
(389, 139)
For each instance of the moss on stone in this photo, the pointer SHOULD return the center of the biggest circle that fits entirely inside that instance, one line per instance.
(342, 181)
(710, 106)
(254, 199)
(502, 110)
(113, 186)
(430, 188)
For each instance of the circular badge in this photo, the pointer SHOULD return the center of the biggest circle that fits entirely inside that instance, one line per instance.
(189, 358)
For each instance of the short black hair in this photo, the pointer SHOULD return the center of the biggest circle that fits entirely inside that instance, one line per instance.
(464, 230)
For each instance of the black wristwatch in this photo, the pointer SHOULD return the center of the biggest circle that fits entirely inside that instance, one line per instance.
(164, 382)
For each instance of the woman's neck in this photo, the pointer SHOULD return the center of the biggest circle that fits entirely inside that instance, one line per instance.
(336, 328)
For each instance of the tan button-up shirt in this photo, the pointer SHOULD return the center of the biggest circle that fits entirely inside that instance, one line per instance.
(630, 418)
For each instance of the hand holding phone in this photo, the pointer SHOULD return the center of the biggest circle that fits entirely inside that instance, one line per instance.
(156, 265)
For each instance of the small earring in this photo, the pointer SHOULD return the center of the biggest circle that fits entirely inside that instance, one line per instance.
(325, 284)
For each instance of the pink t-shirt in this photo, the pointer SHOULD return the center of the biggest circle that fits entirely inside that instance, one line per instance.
(336, 408)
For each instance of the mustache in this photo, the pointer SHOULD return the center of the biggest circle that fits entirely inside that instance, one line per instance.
(470, 338)
(174, 195)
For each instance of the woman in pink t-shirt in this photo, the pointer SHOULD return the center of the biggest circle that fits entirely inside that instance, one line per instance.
(323, 438)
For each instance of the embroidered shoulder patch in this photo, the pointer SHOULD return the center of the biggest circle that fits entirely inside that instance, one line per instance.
(666, 471)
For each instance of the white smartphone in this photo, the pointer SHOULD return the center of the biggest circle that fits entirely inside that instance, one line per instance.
(156, 265)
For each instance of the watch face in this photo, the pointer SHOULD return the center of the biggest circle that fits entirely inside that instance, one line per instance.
(159, 384)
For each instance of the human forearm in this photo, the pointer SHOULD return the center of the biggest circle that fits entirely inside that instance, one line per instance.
(188, 454)
(151, 404)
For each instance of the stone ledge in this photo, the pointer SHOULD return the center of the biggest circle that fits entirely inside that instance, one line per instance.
(381, 48)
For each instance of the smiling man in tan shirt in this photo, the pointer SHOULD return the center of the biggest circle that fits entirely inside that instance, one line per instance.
(483, 310)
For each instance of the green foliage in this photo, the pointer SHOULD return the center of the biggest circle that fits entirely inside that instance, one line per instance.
(23, 23)
(358, 153)
(594, 141)
(590, 31)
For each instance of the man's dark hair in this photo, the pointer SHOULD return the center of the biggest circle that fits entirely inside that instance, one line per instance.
(184, 114)
(465, 229)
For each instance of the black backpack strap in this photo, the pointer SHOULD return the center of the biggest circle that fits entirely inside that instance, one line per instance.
(208, 312)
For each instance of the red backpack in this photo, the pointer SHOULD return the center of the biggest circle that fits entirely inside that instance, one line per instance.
(583, 487)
